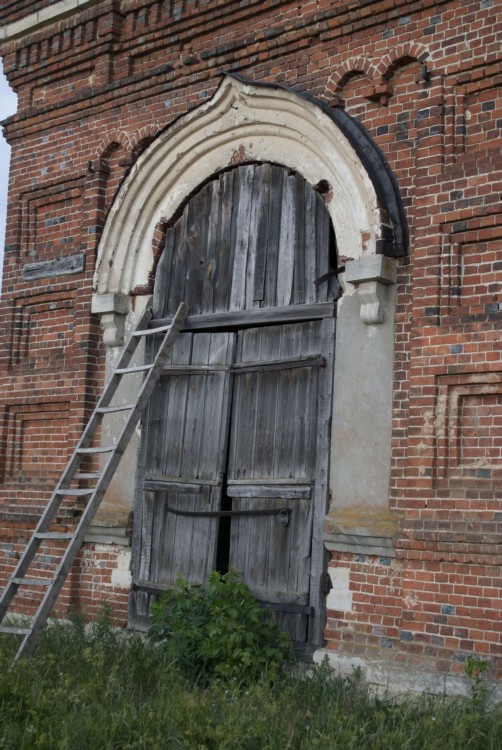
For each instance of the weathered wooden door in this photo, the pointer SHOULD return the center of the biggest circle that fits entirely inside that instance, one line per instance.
(234, 459)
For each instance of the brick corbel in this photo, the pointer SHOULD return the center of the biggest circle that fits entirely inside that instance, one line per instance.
(371, 276)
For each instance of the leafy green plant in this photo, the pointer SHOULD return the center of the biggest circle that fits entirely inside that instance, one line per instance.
(474, 669)
(93, 687)
(221, 632)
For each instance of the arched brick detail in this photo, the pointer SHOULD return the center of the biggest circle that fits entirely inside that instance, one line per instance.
(143, 137)
(351, 67)
(399, 56)
(113, 140)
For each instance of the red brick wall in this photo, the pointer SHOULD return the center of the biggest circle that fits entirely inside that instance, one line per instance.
(425, 80)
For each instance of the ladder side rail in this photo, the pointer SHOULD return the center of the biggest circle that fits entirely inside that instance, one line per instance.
(131, 422)
(71, 551)
(90, 429)
(109, 390)
(73, 464)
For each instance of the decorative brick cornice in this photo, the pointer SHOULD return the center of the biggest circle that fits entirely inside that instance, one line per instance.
(45, 17)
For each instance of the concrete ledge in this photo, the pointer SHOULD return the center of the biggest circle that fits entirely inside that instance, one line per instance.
(108, 535)
(371, 268)
(387, 677)
(361, 532)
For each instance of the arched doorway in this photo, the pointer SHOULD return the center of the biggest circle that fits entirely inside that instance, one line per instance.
(234, 461)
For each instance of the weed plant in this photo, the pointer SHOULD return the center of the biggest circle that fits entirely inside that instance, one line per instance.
(219, 632)
(97, 688)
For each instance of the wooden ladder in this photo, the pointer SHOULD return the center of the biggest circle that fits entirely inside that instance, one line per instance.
(72, 475)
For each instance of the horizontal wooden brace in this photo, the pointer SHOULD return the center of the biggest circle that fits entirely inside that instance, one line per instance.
(254, 317)
(12, 630)
(230, 513)
(160, 483)
(300, 492)
(245, 367)
(21, 581)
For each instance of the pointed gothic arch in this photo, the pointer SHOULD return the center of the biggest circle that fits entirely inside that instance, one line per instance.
(246, 122)
(241, 124)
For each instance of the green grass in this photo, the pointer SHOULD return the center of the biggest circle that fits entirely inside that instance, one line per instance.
(97, 689)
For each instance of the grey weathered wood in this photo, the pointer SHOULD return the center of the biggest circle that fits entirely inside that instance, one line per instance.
(184, 458)
(276, 405)
(256, 236)
(247, 416)
(261, 233)
(320, 494)
(274, 227)
(301, 247)
(57, 267)
(271, 482)
(287, 243)
(13, 630)
(213, 219)
(282, 491)
(25, 581)
(255, 317)
(241, 247)
(175, 485)
(283, 598)
(280, 364)
(226, 241)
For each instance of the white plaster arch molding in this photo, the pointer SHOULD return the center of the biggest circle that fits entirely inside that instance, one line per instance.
(242, 122)
(248, 122)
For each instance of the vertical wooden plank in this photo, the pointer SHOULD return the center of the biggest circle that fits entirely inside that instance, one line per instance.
(262, 230)
(320, 499)
(274, 227)
(211, 270)
(300, 248)
(175, 290)
(212, 452)
(245, 176)
(311, 271)
(146, 535)
(195, 410)
(163, 273)
(166, 434)
(226, 242)
(322, 245)
(196, 249)
(287, 243)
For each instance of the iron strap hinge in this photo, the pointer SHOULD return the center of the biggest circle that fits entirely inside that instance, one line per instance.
(283, 513)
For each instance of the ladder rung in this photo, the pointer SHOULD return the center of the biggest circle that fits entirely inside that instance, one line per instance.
(112, 409)
(32, 581)
(14, 631)
(136, 368)
(106, 449)
(150, 331)
(75, 493)
(57, 573)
